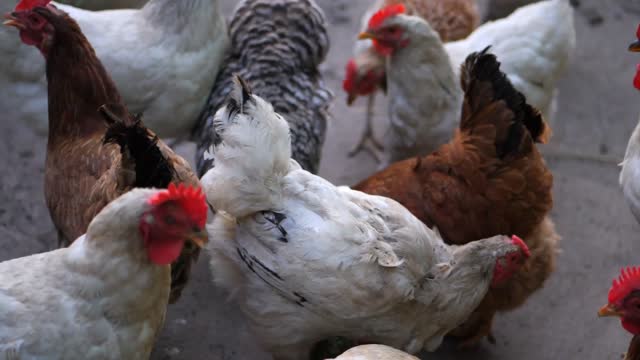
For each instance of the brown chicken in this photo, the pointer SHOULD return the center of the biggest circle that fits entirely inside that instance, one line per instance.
(82, 173)
(489, 179)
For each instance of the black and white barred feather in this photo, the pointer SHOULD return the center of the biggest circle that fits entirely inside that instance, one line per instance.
(276, 46)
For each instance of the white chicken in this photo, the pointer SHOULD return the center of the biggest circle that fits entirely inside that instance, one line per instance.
(307, 260)
(533, 44)
(163, 58)
(630, 174)
(105, 296)
(374, 352)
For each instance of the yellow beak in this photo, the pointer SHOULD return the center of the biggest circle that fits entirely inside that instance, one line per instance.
(365, 35)
(609, 310)
(12, 21)
(635, 46)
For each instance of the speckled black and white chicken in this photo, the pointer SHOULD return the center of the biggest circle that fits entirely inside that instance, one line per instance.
(276, 45)
(306, 260)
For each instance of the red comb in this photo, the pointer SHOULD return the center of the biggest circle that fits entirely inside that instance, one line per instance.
(30, 4)
(347, 83)
(628, 281)
(189, 197)
(518, 242)
(636, 78)
(638, 32)
(378, 18)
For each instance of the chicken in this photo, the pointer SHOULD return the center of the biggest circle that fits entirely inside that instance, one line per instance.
(278, 46)
(307, 260)
(490, 179)
(630, 174)
(105, 297)
(421, 121)
(375, 352)
(163, 58)
(82, 175)
(365, 72)
(624, 302)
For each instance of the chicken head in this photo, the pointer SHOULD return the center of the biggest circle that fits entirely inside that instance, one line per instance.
(30, 18)
(177, 214)
(624, 300)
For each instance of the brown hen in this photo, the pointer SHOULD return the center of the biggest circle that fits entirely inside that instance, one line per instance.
(489, 179)
(84, 169)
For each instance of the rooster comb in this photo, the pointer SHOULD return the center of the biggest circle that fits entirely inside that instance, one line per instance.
(25, 5)
(190, 198)
(350, 75)
(519, 243)
(628, 281)
(383, 14)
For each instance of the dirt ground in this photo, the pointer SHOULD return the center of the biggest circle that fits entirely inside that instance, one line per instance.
(597, 112)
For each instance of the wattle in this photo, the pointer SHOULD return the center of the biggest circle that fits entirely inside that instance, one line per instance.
(164, 252)
(381, 48)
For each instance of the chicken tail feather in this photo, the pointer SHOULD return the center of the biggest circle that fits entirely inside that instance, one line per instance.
(484, 86)
(139, 149)
(253, 157)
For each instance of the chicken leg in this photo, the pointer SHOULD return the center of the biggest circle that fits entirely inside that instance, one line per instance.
(375, 147)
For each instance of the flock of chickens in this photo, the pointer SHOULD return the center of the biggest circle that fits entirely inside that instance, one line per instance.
(453, 229)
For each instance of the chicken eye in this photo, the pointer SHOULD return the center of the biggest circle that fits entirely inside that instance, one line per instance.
(34, 19)
(393, 30)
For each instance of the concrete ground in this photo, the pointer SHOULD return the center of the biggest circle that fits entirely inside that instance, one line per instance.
(597, 112)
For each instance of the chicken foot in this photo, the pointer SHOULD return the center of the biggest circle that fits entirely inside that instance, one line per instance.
(375, 147)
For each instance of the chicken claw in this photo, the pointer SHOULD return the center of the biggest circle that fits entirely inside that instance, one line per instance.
(375, 148)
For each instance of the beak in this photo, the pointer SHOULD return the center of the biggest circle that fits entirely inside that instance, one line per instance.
(609, 310)
(635, 46)
(351, 98)
(366, 35)
(199, 237)
(12, 21)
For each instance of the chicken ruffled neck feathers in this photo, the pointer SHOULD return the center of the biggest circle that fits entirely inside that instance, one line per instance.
(76, 79)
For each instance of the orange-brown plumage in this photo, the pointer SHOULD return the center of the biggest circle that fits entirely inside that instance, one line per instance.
(451, 19)
(83, 172)
(489, 179)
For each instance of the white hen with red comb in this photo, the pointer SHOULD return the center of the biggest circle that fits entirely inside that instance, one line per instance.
(100, 298)
(308, 260)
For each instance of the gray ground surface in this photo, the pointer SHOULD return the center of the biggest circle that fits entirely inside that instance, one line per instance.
(597, 112)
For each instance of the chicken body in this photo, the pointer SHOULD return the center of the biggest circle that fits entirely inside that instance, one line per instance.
(100, 298)
(307, 260)
(82, 174)
(534, 45)
(163, 58)
(489, 179)
(277, 45)
(630, 174)
(375, 352)
(421, 121)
